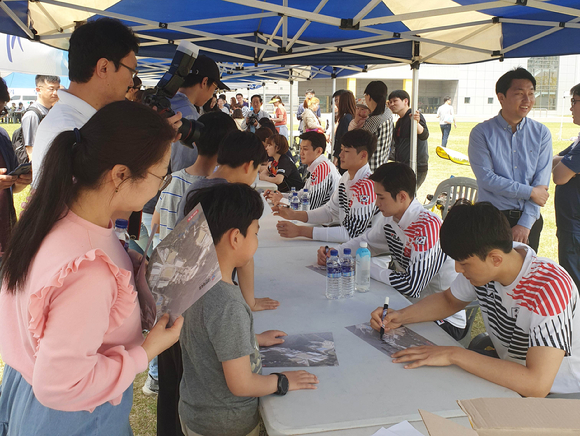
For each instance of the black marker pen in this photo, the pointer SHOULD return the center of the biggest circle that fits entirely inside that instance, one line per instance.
(385, 308)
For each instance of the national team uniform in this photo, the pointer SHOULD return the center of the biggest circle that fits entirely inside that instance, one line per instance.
(352, 205)
(322, 182)
(536, 310)
(421, 267)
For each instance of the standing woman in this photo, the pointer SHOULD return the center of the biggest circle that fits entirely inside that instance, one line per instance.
(281, 116)
(346, 105)
(70, 320)
(310, 121)
(380, 122)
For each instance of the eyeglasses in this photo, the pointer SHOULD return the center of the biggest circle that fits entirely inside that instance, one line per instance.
(133, 72)
(573, 102)
(165, 181)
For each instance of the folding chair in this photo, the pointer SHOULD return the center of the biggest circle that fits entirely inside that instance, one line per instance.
(453, 189)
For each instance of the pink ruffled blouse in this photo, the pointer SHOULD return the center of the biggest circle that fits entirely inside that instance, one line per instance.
(74, 332)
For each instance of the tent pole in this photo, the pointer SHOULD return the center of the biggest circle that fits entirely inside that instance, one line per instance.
(332, 121)
(290, 111)
(414, 105)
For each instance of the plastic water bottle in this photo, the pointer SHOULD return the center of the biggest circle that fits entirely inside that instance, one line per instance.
(347, 267)
(305, 202)
(291, 193)
(333, 276)
(121, 226)
(363, 268)
(295, 201)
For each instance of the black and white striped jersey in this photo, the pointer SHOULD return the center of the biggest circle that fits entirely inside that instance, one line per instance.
(421, 266)
(537, 310)
(352, 206)
(322, 182)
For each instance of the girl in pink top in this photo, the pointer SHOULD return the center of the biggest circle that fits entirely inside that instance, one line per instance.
(70, 320)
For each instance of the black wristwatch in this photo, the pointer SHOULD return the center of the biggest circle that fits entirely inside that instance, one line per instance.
(283, 384)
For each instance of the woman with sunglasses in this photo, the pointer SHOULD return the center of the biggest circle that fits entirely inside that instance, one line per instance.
(70, 319)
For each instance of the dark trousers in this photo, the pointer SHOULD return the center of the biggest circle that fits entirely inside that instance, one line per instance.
(445, 129)
(421, 176)
(534, 236)
(170, 371)
(455, 332)
(569, 254)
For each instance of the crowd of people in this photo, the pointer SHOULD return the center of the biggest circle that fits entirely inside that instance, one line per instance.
(70, 316)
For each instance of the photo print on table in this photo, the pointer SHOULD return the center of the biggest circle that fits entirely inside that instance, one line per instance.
(320, 269)
(309, 349)
(393, 340)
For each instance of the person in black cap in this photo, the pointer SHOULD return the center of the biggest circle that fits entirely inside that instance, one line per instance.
(199, 87)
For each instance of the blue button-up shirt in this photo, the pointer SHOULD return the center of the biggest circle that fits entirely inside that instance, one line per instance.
(508, 165)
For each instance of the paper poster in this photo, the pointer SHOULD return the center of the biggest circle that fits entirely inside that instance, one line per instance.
(393, 340)
(320, 269)
(310, 349)
(184, 266)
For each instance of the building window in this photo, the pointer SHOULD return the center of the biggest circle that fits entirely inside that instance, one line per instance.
(490, 100)
(467, 100)
(545, 71)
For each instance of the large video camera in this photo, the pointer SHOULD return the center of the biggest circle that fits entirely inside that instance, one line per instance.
(169, 85)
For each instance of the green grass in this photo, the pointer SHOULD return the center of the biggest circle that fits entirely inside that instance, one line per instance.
(143, 415)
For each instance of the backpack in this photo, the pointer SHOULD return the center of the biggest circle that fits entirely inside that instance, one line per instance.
(18, 138)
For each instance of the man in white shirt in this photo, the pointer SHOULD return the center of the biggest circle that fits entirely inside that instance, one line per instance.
(410, 234)
(46, 97)
(446, 117)
(102, 64)
(528, 304)
(352, 205)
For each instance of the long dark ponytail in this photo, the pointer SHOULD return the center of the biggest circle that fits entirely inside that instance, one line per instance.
(121, 133)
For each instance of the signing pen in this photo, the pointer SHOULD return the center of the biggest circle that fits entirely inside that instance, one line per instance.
(385, 309)
(326, 248)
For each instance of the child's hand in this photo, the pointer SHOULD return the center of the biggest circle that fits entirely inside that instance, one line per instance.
(264, 304)
(301, 380)
(323, 253)
(270, 337)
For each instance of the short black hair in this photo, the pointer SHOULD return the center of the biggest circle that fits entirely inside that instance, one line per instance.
(4, 93)
(227, 206)
(40, 79)
(103, 38)
(191, 80)
(505, 82)
(475, 230)
(396, 177)
(446, 98)
(310, 91)
(575, 90)
(400, 94)
(256, 95)
(361, 140)
(267, 122)
(216, 126)
(317, 139)
(378, 91)
(239, 93)
(339, 93)
(238, 148)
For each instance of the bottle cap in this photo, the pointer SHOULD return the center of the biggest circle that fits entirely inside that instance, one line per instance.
(334, 252)
(364, 244)
(347, 251)
(295, 194)
(121, 223)
(305, 190)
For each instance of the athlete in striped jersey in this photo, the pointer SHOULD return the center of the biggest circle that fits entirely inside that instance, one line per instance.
(352, 205)
(528, 305)
(411, 235)
(323, 176)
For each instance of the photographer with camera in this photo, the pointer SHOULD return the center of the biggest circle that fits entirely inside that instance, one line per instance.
(198, 87)
(252, 117)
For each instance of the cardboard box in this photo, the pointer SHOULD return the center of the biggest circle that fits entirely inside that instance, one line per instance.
(510, 417)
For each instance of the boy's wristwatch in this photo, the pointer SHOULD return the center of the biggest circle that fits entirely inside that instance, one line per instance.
(283, 384)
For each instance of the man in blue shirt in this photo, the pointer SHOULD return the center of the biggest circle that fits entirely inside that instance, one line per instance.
(511, 156)
(199, 87)
(567, 198)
